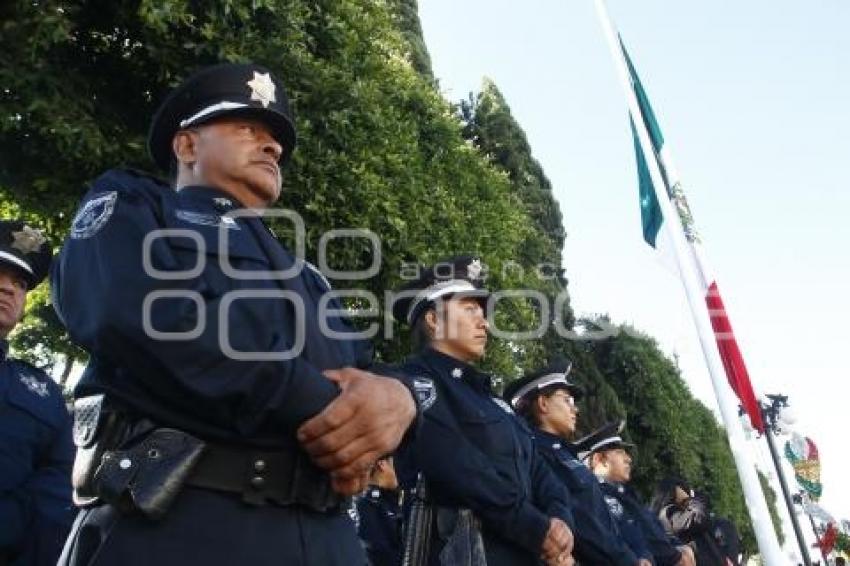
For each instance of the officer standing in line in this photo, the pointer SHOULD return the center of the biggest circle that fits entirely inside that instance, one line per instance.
(224, 423)
(379, 516)
(36, 451)
(546, 398)
(611, 462)
(487, 485)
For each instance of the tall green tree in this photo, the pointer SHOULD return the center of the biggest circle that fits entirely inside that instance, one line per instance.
(407, 14)
(490, 126)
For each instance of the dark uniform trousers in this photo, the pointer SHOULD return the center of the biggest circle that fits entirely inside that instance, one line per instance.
(187, 328)
(598, 540)
(476, 454)
(205, 527)
(35, 465)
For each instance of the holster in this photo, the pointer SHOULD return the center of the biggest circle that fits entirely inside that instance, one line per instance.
(148, 476)
(128, 463)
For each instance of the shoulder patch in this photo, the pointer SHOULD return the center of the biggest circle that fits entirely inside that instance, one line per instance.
(426, 392)
(93, 215)
(34, 384)
(614, 506)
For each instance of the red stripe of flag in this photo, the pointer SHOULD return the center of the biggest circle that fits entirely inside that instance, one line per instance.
(736, 371)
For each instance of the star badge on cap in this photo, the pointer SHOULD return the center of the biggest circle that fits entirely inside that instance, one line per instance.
(28, 240)
(474, 269)
(262, 88)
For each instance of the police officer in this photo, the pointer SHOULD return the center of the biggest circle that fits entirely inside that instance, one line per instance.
(472, 451)
(610, 461)
(35, 429)
(547, 399)
(230, 424)
(379, 516)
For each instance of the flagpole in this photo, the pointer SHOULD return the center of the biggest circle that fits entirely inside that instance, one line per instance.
(753, 495)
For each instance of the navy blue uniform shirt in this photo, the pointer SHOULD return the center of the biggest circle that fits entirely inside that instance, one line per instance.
(36, 454)
(627, 523)
(476, 454)
(172, 299)
(598, 539)
(197, 318)
(379, 521)
(649, 529)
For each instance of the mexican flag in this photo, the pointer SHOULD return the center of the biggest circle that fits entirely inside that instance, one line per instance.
(656, 235)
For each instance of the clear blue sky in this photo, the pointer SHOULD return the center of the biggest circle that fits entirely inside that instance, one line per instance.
(753, 100)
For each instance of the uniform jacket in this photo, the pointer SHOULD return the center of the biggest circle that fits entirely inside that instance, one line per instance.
(200, 320)
(171, 299)
(36, 453)
(379, 526)
(598, 538)
(649, 530)
(476, 454)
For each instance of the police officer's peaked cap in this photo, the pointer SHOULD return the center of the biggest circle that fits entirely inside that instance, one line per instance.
(452, 277)
(26, 249)
(228, 89)
(606, 437)
(555, 375)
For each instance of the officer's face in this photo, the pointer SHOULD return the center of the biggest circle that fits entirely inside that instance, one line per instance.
(13, 294)
(559, 413)
(460, 328)
(619, 465)
(236, 155)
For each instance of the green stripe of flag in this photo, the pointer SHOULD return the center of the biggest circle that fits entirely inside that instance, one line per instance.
(650, 211)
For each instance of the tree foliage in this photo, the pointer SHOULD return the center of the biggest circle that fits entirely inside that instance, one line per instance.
(379, 148)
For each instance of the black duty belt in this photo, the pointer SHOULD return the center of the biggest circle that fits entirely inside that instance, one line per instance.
(282, 478)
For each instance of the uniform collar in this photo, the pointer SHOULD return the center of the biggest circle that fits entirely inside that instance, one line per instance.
(550, 439)
(457, 369)
(616, 486)
(4, 349)
(556, 442)
(222, 201)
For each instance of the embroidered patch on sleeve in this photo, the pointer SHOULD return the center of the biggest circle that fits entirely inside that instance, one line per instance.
(93, 216)
(426, 392)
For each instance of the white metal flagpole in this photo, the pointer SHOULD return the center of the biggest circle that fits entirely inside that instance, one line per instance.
(756, 505)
